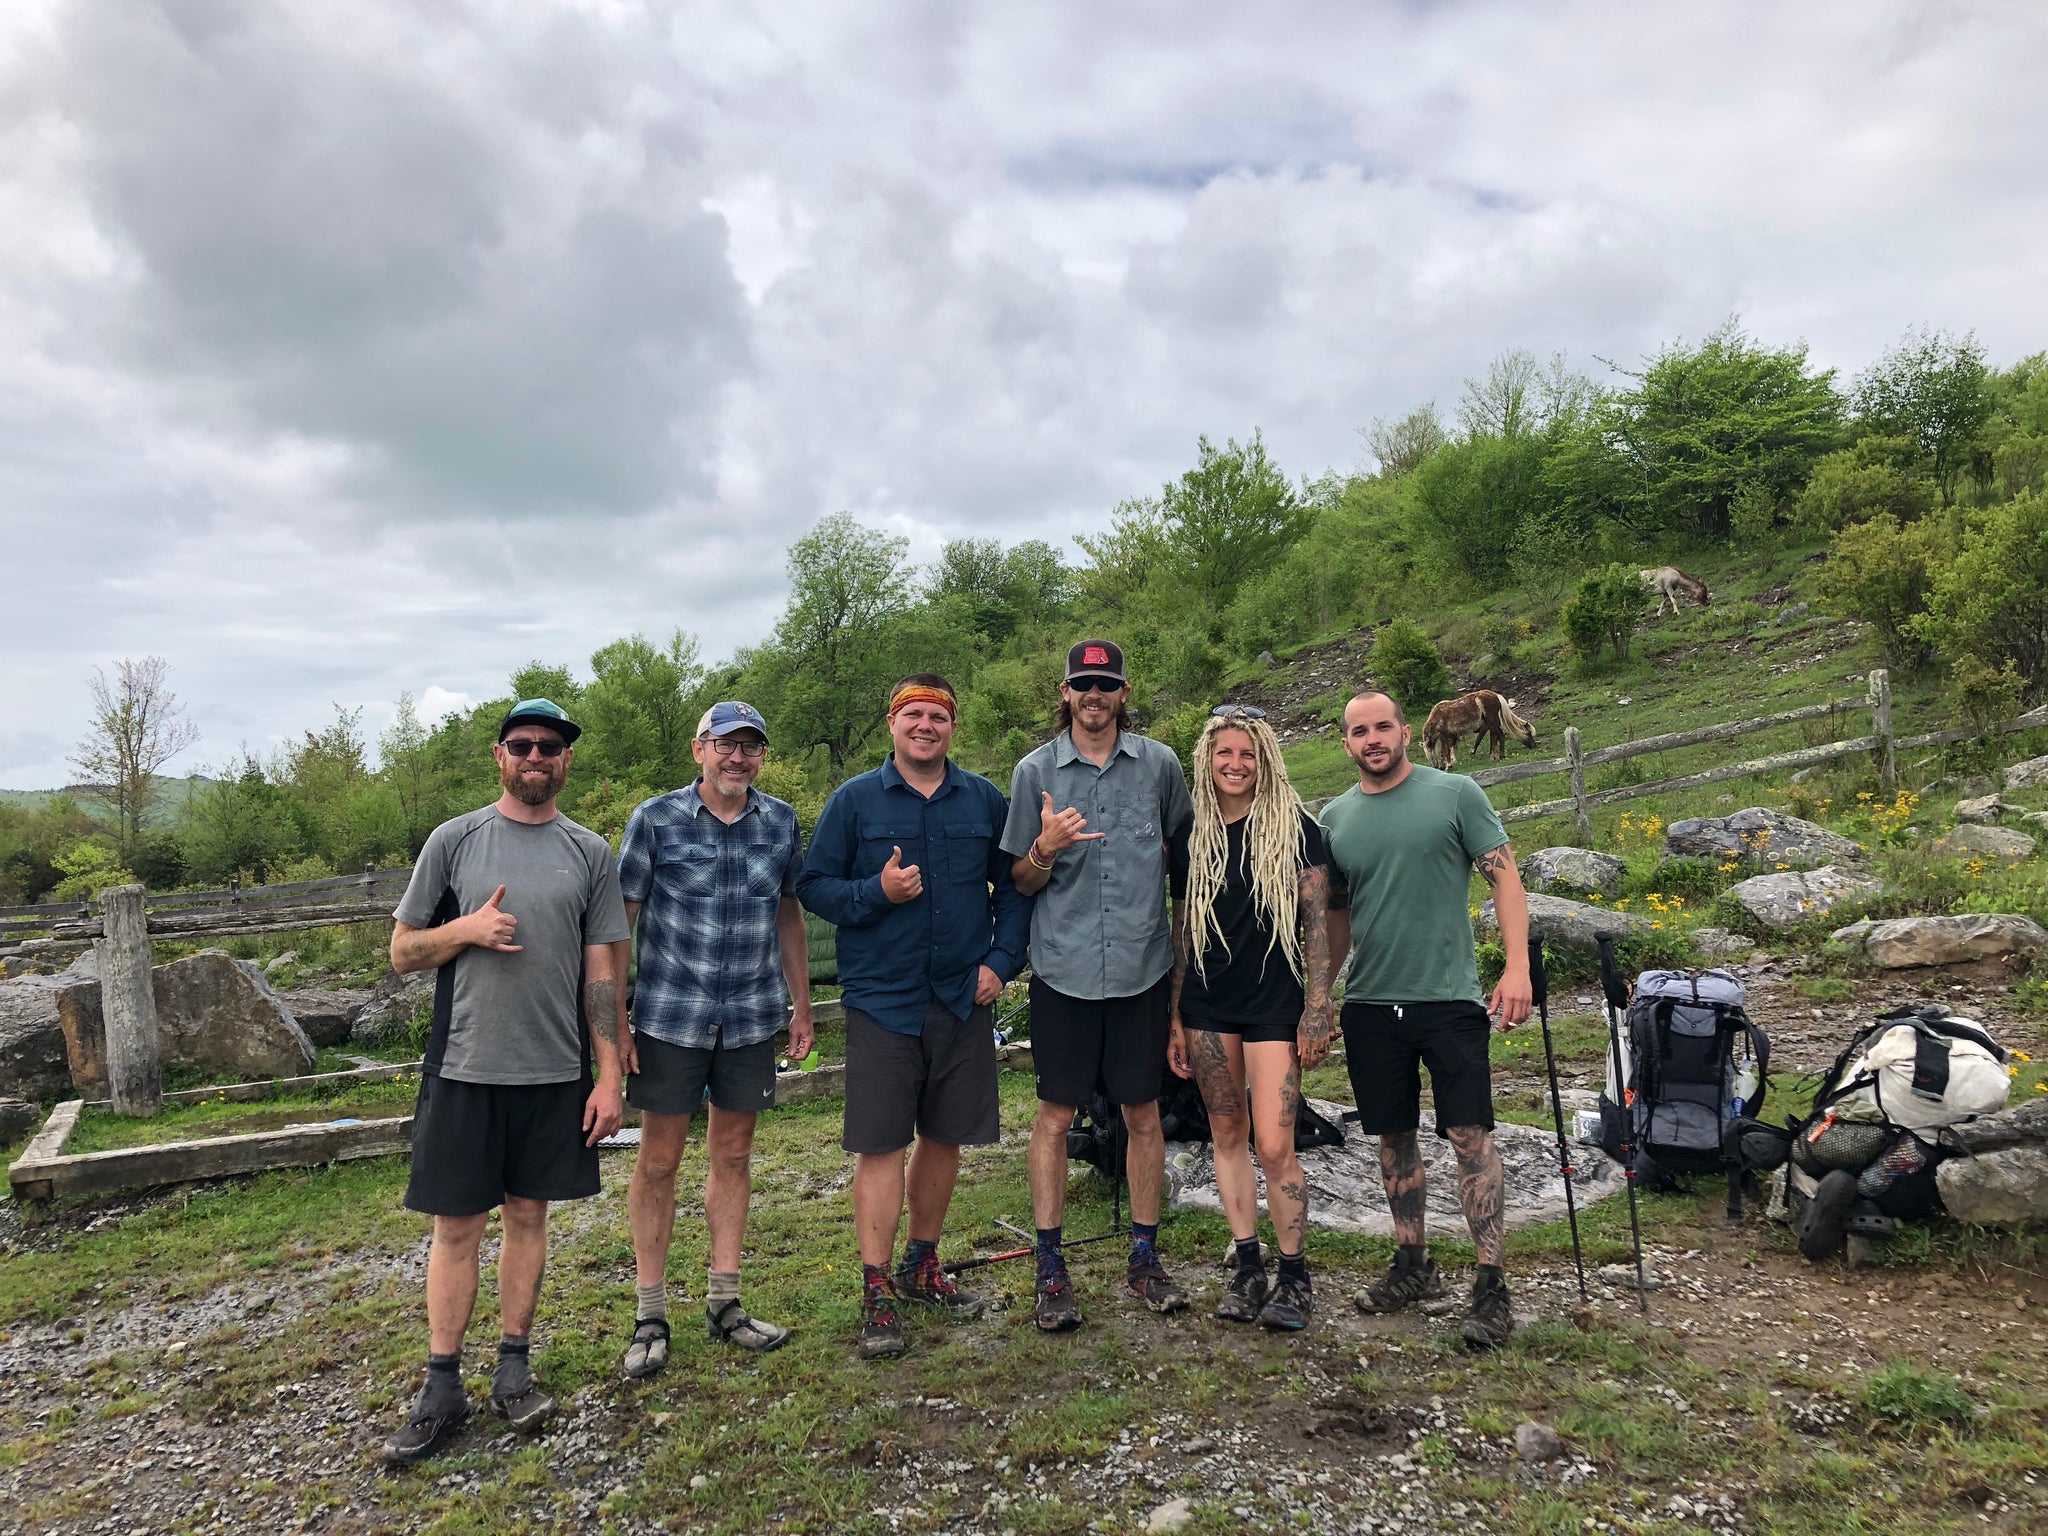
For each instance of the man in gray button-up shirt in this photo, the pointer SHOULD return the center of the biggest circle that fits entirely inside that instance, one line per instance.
(1091, 813)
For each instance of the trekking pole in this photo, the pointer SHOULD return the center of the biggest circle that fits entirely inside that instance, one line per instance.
(1615, 992)
(1539, 985)
(957, 1266)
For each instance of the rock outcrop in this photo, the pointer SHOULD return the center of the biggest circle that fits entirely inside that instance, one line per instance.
(2032, 774)
(1791, 896)
(213, 1012)
(1899, 942)
(1983, 809)
(1568, 922)
(1757, 836)
(2005, 1177)
(1578, 870)
(1989, 842)
(33, 1061)
(326, 1016)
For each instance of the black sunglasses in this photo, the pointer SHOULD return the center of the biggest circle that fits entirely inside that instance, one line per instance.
(1091, 684)
(521, 746)
(1249, 711)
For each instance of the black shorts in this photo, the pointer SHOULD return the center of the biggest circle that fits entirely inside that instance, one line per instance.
(475, 1143)
(1115, 1043)
(1385, 1045)
(1253, 1033)
(940, 1083)
(673, 1078)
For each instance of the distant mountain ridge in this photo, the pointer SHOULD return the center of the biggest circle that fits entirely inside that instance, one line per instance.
(164, 809)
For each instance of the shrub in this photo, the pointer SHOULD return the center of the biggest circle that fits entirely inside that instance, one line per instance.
(1604, 611)
(1882, 572)
(1907, 1397)
(1991, 600)
(1405, 664)
(1854, 484)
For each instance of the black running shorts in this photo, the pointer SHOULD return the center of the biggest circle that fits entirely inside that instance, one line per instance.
(1118, 1043)
(939, 1083)
(673, 1078)
(475, 1143)
(1385, 1048)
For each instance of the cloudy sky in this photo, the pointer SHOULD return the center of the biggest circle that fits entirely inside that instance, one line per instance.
(351, 349)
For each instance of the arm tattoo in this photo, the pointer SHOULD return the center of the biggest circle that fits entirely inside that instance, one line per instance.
(601, 1009)
(1315, 935)
(1496, 864)
(1401, 1173)
(1479, 1189)
(1180, 952)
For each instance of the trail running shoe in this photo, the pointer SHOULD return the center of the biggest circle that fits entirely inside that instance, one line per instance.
(1057, 1311)
(929, 1283)
(1149, 1281)
(425, 1427)
(881, 1336)
(1289, 1306)
(1401, 1286)
(648, 1352)
(731, 1325)
(1244, 1296)
(1827, 1212)
(1488, 1322)
(526, 1409)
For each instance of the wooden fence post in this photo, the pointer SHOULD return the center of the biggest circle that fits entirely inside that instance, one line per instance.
(134, 1073)
(1575, 762)
(1881, 728)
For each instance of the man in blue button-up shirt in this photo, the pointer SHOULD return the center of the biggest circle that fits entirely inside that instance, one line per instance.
(906, 863)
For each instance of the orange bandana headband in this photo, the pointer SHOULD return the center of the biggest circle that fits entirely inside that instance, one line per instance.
(921, 693)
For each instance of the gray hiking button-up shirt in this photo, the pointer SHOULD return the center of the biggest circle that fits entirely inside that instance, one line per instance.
(1099, 928)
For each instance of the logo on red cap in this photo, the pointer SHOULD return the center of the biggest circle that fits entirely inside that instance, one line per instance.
(1094, 656)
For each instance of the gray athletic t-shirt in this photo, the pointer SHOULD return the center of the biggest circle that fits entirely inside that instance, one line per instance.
(514, 1017)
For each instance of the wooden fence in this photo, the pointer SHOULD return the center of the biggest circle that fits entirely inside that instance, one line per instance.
(1880, 743)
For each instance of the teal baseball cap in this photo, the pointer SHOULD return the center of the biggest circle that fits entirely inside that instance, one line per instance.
(540, 712)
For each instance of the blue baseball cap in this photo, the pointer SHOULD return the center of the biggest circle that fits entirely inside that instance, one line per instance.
(729, 715)
(540, 712)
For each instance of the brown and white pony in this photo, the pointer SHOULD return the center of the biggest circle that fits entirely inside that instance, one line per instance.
(1667, 581)
(1480, 714)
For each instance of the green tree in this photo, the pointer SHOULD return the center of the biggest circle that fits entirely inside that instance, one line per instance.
(641, 709)
(1860, 482)
(406, 762)
(1991, 601)
(1473, 498)
(1404, 662)
(1881, 571)
(1931, 388)
(239, 823)
(1604, 611)
(1353, 564)
(1003, 591)
(136, 728)
(1399, 446)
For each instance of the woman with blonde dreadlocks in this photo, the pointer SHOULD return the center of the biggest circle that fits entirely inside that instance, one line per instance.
(1251, 993)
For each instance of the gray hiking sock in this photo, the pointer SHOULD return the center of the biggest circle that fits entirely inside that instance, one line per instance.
(514, 1374)
(720, 1286)
(650, 1301)
(443, 1390)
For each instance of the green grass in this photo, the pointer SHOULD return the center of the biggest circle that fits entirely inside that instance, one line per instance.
(101, 1130)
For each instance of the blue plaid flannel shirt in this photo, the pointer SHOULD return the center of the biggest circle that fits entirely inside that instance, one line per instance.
(710, 964)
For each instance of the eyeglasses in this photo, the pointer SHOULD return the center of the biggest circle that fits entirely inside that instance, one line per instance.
(520, 746)
(1225, 711)
(1091, 684)
(752, 751)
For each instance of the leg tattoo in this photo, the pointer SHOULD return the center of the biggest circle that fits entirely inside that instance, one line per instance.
(1401, 1173)
(1479, 1188)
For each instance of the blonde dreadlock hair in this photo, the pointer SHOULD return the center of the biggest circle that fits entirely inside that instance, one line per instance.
(1274, 844)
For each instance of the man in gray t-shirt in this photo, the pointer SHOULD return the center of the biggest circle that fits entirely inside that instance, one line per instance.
(515, 908)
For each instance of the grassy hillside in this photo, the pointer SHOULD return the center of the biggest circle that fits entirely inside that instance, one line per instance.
(164, 810)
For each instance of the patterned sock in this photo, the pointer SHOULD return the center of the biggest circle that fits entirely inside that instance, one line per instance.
(916, 1250)
(1491, 1277)
(514, 1372)
(1145, 1232)
(1050, 1260)
(1247, 1254)
(874, 1279)
(1294, 1266)
(650, 1302)
(720, 1286)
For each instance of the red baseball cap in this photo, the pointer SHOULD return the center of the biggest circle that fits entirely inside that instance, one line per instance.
(1095, 658)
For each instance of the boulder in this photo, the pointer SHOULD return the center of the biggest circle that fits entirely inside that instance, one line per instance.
(1720, 944)
(387, 1017)
(1990, 842)
(2008, 1185)
(325, 1015)
(1574, 869)
(1758, 836)
(1898, 942)
(1791, 613)
(2022, 1125)
(1792, 896)
(17, 1119)
(1983, 809)
(33, 1060)
(1569, 922)
(213, 1012)
(2032, 774)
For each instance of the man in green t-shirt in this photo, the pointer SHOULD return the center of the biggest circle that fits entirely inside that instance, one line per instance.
(1403, 843)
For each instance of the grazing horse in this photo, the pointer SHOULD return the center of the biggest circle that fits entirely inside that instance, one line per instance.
(1481, 714)
(1667, 581)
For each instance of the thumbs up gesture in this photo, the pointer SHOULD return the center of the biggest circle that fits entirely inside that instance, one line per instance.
(1059, 829)
(901, 882)
(491, 926)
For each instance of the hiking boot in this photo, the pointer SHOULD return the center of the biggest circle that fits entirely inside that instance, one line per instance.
(427, 1423)
(929, 1283)
(1401, 1286)
(1150, 1283)
(1827, 1213)
(1289, 1306)
(648, 1352)
(1244, 1296)
(881, 1336)
(1488, 1322)
(1057, 1311)
(525, 1409)
(731, 1325)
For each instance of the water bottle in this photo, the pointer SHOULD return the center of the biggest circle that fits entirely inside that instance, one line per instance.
(1744, 1087)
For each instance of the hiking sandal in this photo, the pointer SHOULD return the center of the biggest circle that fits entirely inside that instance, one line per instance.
(731, 1325)
(648, 1352)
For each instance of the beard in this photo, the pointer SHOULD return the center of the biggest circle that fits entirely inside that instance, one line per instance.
(529, 789)
(720, 786)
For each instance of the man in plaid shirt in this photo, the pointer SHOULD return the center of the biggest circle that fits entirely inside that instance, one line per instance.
(709, 874)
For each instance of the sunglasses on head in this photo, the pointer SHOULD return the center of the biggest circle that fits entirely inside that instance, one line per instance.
(1248, 711)
(521, 746)
(1091, 684)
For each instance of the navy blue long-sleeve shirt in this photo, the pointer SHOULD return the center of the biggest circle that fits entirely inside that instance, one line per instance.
(894, 957)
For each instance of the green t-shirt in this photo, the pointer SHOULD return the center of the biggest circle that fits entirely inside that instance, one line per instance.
(1401, 860)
